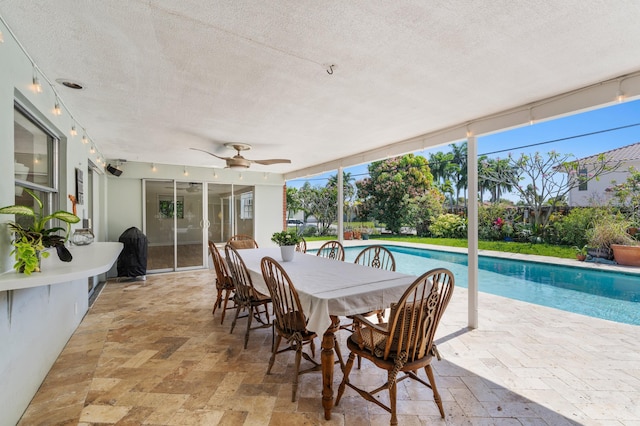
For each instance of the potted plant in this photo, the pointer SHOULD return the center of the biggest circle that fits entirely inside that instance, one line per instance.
(30, 241)
(607, 232)
(581, 252)
(287, 241)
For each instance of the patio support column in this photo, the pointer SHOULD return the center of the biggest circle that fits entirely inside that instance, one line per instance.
(340, 204)
(472, 230)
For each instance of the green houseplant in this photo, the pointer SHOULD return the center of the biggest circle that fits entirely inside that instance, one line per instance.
(30, 241)
(287, 241)
(285, 238)
(581, 252)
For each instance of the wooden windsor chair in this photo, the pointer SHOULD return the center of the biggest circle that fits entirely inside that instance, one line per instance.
(246, 296)
(290, 322)
(405, 343)
(224, 281)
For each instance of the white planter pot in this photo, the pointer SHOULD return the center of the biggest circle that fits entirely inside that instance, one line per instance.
(287, 253)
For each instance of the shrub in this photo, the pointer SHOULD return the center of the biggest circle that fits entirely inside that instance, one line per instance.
(449, 226)
(309, 231)
(572, 228)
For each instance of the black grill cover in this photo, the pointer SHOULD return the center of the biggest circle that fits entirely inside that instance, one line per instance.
(132, 261)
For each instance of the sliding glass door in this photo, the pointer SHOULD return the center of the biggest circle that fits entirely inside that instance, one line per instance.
(181, 217)
(174, 224)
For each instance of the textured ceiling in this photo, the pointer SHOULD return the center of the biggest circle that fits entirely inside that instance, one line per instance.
(165, 75)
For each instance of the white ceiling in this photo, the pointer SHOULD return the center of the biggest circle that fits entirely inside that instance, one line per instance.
(165, 75)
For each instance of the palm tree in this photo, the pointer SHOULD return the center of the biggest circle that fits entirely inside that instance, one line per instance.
(460, 174)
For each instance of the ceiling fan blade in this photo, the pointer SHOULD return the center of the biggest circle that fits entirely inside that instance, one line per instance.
(210, 153)
(271, 161)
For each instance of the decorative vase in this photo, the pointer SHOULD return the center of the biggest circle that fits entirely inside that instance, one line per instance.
(287, 253)
(82, 237)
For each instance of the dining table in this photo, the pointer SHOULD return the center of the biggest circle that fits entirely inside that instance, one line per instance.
(329, 289)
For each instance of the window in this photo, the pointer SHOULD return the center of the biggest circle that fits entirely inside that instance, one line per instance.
(35, 161)
(246, 205)
(582, 177)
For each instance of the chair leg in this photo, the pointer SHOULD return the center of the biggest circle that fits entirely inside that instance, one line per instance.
(436, 395)
(359, 362)
(224, 307)
(246, 335)
(294, 390)
(336, 347)
(235, 318)
(217, 303)
(274, 349)
(345, 377)
(313, 348)
(392, 398)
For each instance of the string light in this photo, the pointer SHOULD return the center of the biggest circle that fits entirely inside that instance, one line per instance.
(1, 37)
(186, 173)
(85, 139)
(56, 108)
(73, 131)
(531, 120)
(620, 93)
(92, 149)
(215, 174)
(153, 167)
(37, 87)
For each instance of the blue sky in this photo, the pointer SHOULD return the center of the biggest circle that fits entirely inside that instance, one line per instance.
(600, 120)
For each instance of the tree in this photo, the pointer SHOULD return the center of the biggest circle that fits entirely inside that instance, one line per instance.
(544, 181)
(460, 175)
(443, 169)
(388, 193)
(349, 193)
(293, 202)
(627, 194)
(492, 167)
(321, 202)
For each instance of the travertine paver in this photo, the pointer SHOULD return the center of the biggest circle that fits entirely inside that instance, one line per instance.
(152, 353)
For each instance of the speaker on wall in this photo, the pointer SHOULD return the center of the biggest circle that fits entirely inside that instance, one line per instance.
(114, 170)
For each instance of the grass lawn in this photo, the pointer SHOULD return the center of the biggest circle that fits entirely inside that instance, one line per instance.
(509, 247)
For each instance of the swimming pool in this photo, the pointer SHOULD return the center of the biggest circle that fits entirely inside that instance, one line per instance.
(601, 294)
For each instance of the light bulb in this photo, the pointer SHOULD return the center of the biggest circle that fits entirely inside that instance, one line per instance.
(74, 132)
(37, 87)
(153, 167)
(1, 37)
(56, 109)
(620, 96)
(92, 150)
(186, 173)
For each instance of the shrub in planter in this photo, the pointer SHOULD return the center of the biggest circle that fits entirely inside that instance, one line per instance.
(606, 232)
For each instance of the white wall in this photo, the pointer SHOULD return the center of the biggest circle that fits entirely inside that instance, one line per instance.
(596, 194)
(36, 323)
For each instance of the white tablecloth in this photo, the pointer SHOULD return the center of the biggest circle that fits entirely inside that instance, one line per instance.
(331, 287)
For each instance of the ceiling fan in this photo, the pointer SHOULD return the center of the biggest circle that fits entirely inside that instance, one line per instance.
(238, 161)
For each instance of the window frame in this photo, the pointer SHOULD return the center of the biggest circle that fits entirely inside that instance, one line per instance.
(49, 194)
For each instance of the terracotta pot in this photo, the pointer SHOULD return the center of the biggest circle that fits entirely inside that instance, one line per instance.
(626, 255)
(581, 257)
(348, 235)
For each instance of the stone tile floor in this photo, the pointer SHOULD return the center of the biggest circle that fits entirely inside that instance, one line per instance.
(151, 353)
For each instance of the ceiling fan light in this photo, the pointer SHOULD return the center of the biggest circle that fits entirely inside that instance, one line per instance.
(238, 167)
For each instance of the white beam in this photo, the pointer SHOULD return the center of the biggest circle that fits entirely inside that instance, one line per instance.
(340, 204)
(472, 230)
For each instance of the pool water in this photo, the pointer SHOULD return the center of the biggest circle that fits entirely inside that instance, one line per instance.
(608, 295)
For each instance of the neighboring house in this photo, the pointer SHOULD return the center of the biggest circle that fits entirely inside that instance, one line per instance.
(594, 192)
